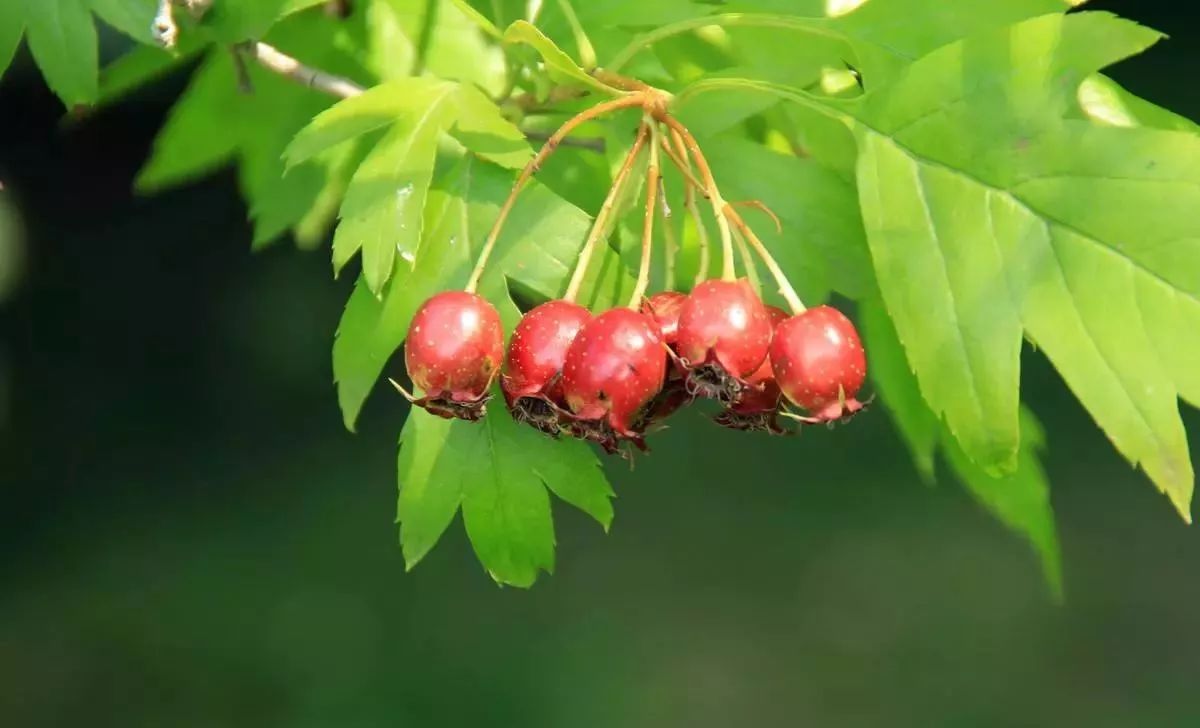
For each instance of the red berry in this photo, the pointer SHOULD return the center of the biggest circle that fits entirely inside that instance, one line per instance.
(724, 334)
(664, 308)
(757, 407)
(453, 350)
(613, 369)
(819, 363)
(532, 378)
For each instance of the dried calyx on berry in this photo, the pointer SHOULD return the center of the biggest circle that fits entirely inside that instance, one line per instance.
(724, 334)
(664, 308)
(453, 350)
(757, 408)
(819, 364)
(532, 377)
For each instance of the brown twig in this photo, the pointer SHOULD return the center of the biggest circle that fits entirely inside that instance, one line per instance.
(274, 60)
(165, 31)
(652, 178)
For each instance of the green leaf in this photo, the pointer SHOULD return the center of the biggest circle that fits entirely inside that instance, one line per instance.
(12, 27)
(232, 21)
(458, 52)
(186, 146)
(558, 64)
(62, 39)
(539, 248)
(1103, 100)
(936, 233)
(987, 214)
(897, 386)
(257, 126)
(483, 130)
(337, 166)
(1112, 285)
(498, 471)
(375, 108)
(506, 509)
(822, 245)
(433, 475)
(712, 114)
(134, 18)
(478, 18)
(819, 28)
(372, 328)
(1019, 500)
(934, 239)
(382, 210)
(142, 65)
(909, 29)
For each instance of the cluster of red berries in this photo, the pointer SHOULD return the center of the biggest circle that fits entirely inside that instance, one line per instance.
(608, 378)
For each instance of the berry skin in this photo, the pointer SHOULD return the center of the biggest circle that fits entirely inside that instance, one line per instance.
(664, 308)
(724, 334)
(532, 378)
(757, 408)
(453, 350)
(819, 363)
(614, 368)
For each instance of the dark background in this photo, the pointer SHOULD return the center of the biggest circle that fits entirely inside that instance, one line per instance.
(189, 536)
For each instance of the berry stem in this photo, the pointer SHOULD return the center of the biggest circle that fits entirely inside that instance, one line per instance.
(622, 102)
(684, 164)
(680, 160)
(785, 287)
(672, 241)
(747, 261)
(712, 192)
(600, 224)
(652, 178)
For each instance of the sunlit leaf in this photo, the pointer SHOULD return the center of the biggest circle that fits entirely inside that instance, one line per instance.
(478, 18)
(381, 214)
(558, 64)
(989, 217)
(1103, 100)
(498, 471)
(375, 108)
(232, 21)
(483, 129)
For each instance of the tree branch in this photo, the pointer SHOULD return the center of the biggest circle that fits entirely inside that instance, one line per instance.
(164, 28)
(274, 60)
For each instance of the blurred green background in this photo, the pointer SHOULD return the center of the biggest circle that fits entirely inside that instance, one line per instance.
(191, 538)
